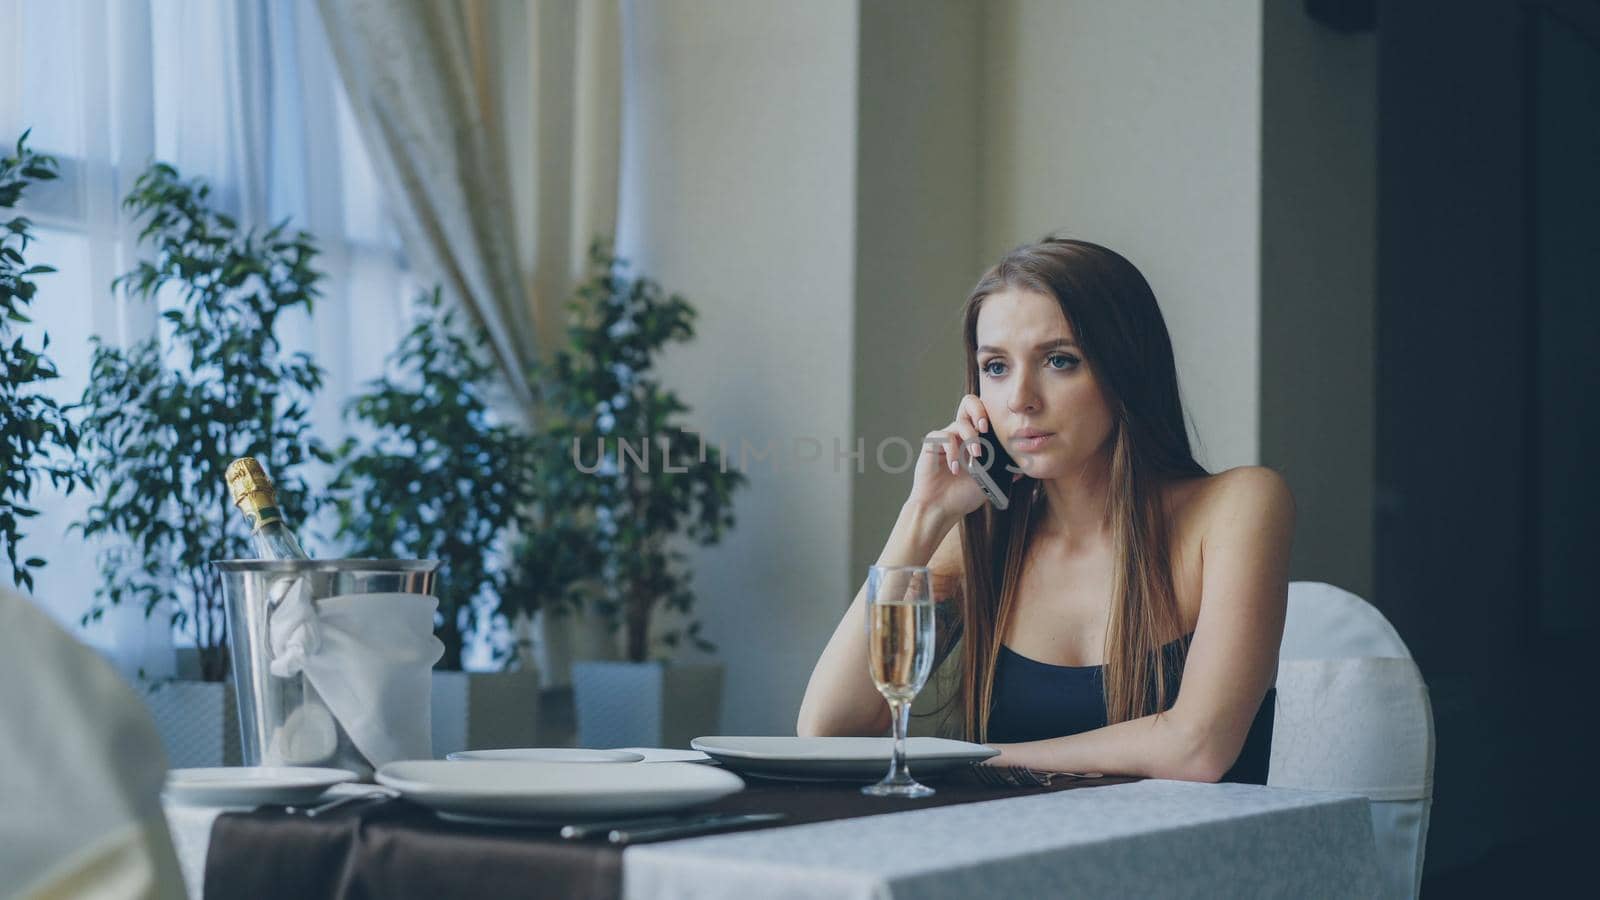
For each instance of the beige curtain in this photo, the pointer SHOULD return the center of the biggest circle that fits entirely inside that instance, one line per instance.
(558, 73)
(494, 129)
(577, 122)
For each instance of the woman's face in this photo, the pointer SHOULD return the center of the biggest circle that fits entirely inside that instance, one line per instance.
(1033, 378)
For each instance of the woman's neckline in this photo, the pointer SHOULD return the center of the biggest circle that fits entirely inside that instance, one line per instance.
(1028, 659)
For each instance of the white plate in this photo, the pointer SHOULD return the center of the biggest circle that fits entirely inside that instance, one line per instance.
(837, 758)
(251, 785)
(556, 791)
(547, 754)
(668, 754)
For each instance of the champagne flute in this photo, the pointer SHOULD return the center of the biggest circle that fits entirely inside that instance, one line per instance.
(900, 615)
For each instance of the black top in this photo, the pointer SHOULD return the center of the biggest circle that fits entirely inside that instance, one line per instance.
(1033, 701)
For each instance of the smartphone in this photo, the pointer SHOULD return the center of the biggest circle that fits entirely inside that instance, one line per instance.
(991, 477)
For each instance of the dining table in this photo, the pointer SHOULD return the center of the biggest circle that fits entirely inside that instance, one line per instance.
(1071, 837)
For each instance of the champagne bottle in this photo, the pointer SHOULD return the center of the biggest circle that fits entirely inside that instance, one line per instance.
(308, 734)
(254, 495)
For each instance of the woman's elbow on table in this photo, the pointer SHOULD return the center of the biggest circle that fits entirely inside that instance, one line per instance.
(1201, 756)
(1199, 767)
(815, 722)
(807, 725)
(812, 724)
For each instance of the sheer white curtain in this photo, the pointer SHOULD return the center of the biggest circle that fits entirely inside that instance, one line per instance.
(241, 92)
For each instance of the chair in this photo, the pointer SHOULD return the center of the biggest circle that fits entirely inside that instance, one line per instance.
(81, 770)
(1353, 716)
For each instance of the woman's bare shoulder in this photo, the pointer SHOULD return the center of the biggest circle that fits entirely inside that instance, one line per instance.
(1240, 516)
(1243, 495)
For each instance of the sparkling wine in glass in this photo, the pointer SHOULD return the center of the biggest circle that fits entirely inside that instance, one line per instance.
(900, 613)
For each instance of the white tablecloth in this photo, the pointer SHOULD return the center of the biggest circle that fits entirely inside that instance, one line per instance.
(191, 835)
(1145, 839)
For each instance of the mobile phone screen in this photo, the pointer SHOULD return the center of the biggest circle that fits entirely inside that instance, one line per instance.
(991, 472)
(1000, 469)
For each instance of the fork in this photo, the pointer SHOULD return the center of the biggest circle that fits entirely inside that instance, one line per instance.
(312, 812)
(1022, 776)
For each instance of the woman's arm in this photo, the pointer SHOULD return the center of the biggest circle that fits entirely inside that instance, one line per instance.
(841, 698)
(1247, 530)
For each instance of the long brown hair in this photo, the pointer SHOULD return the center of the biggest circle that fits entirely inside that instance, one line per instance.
(1117, 325)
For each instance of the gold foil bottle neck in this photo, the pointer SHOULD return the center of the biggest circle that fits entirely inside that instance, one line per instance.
(252, 492)
(245, 475)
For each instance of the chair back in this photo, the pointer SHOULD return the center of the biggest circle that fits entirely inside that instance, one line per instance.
(1326, 622)
(1353, 716)
(81, 771)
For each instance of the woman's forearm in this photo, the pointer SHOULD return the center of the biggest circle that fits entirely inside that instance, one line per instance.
(840, 699)
(1165, 745)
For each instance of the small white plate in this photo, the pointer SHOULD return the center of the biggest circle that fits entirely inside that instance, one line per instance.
(556, 791)
(837, 758)
(546, 754)
(251, 785)
(668, 754)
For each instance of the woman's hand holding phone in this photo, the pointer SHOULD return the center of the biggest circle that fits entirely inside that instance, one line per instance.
(941, 483)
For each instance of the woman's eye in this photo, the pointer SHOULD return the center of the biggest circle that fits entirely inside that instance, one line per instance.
(1062, 361)
(990, 367)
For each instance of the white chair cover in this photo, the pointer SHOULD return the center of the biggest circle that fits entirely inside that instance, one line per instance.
(1326, 622)
(1353, 715)
(81, 770)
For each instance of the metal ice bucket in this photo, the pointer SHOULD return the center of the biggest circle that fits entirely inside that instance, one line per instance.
(266, 701)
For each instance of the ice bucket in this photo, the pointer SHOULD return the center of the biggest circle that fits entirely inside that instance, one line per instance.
(282, 720)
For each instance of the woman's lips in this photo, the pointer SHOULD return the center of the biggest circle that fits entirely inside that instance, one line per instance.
(1030, 444)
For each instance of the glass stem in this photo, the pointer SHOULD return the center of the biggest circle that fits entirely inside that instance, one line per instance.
(900, 710)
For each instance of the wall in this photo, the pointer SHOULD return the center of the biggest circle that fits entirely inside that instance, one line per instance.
(917, 207)
(1319, 159)
(738, 186)
(1137, 125)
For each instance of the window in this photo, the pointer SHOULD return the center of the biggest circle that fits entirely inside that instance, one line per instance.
(244, 94)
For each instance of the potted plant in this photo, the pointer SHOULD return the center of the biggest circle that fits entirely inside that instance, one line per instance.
(555, 563)
(615, 448)
(163, 418)
(438, 478)
(37, 441)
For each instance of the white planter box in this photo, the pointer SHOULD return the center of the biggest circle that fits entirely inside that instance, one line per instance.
(198, 722)
(484, 710)
(650, 704)
(560, 639)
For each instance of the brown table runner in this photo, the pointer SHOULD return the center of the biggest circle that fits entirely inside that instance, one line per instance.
(397, 849)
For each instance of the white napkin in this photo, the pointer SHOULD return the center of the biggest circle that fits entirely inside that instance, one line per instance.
(293, 626)
(370, 658)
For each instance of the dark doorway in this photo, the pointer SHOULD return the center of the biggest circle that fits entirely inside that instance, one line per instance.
(1488, 424)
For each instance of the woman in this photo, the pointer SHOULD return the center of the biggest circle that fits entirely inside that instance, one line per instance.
(1124, 614)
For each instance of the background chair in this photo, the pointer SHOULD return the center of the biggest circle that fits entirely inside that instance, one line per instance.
(1353, 716)
(81, 771)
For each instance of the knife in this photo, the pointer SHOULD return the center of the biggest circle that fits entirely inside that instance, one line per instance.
(688, 827)
(580, 830)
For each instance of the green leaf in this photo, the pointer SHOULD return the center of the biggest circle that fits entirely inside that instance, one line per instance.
(160, 421)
